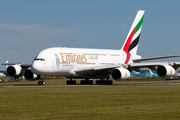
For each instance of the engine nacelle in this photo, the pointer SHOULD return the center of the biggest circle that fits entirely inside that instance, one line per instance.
(165, 70)
(14, 70)
(120, 74)
(30, 76)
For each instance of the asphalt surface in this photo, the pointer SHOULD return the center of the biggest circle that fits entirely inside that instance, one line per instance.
(128, 83)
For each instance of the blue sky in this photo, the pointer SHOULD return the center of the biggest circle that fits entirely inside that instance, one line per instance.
(29, 26)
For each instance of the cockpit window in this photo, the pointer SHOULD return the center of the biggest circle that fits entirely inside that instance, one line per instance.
(39, 59)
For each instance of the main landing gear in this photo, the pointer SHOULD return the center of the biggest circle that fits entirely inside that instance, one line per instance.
(71, 82)
(104, 82)
(86, 82)
(90, 82)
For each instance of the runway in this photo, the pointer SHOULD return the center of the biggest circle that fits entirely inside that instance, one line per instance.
(115, 84)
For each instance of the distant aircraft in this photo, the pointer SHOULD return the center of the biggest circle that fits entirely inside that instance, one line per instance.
(5, 75)
(93, 63)
(144, 73)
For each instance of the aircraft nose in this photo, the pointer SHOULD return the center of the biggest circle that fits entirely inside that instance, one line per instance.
(35, 67)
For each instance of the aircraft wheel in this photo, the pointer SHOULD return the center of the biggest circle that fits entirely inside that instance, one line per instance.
(82, 82)
(74, 82)
(103, 82)
(110, 82)
(39, 82)
(97, 82)
(43, 83)
(67, 82)
(91, 82)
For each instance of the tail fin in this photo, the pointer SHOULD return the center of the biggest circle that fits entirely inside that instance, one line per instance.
(132, 40)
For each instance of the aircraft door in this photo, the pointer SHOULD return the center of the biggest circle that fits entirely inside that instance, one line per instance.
(52, 63)
(43, 64)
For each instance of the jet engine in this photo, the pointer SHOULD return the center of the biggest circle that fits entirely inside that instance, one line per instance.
(165, 70)
(30, 76)
(120, 74)
(14, 70)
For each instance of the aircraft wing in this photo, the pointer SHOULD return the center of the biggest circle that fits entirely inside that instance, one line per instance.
(2, 71)
(103, 70)
(154, 58)
(23, 65)
(153, 64)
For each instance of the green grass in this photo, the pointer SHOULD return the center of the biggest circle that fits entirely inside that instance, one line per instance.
(91, 102)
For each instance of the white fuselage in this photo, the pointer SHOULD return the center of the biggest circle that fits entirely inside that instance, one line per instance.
(63, 61)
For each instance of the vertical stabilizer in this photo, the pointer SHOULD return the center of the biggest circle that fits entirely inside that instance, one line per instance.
(131, 43)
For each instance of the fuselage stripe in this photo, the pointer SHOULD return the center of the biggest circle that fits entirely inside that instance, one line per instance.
(134, 43)
(126, 47)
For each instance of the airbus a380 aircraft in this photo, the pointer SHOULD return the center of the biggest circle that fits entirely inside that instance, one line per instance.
(93, 63)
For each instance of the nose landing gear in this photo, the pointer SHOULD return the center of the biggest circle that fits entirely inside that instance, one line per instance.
(41, 82)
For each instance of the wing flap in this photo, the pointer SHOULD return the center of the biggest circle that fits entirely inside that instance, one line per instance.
(23, 65)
